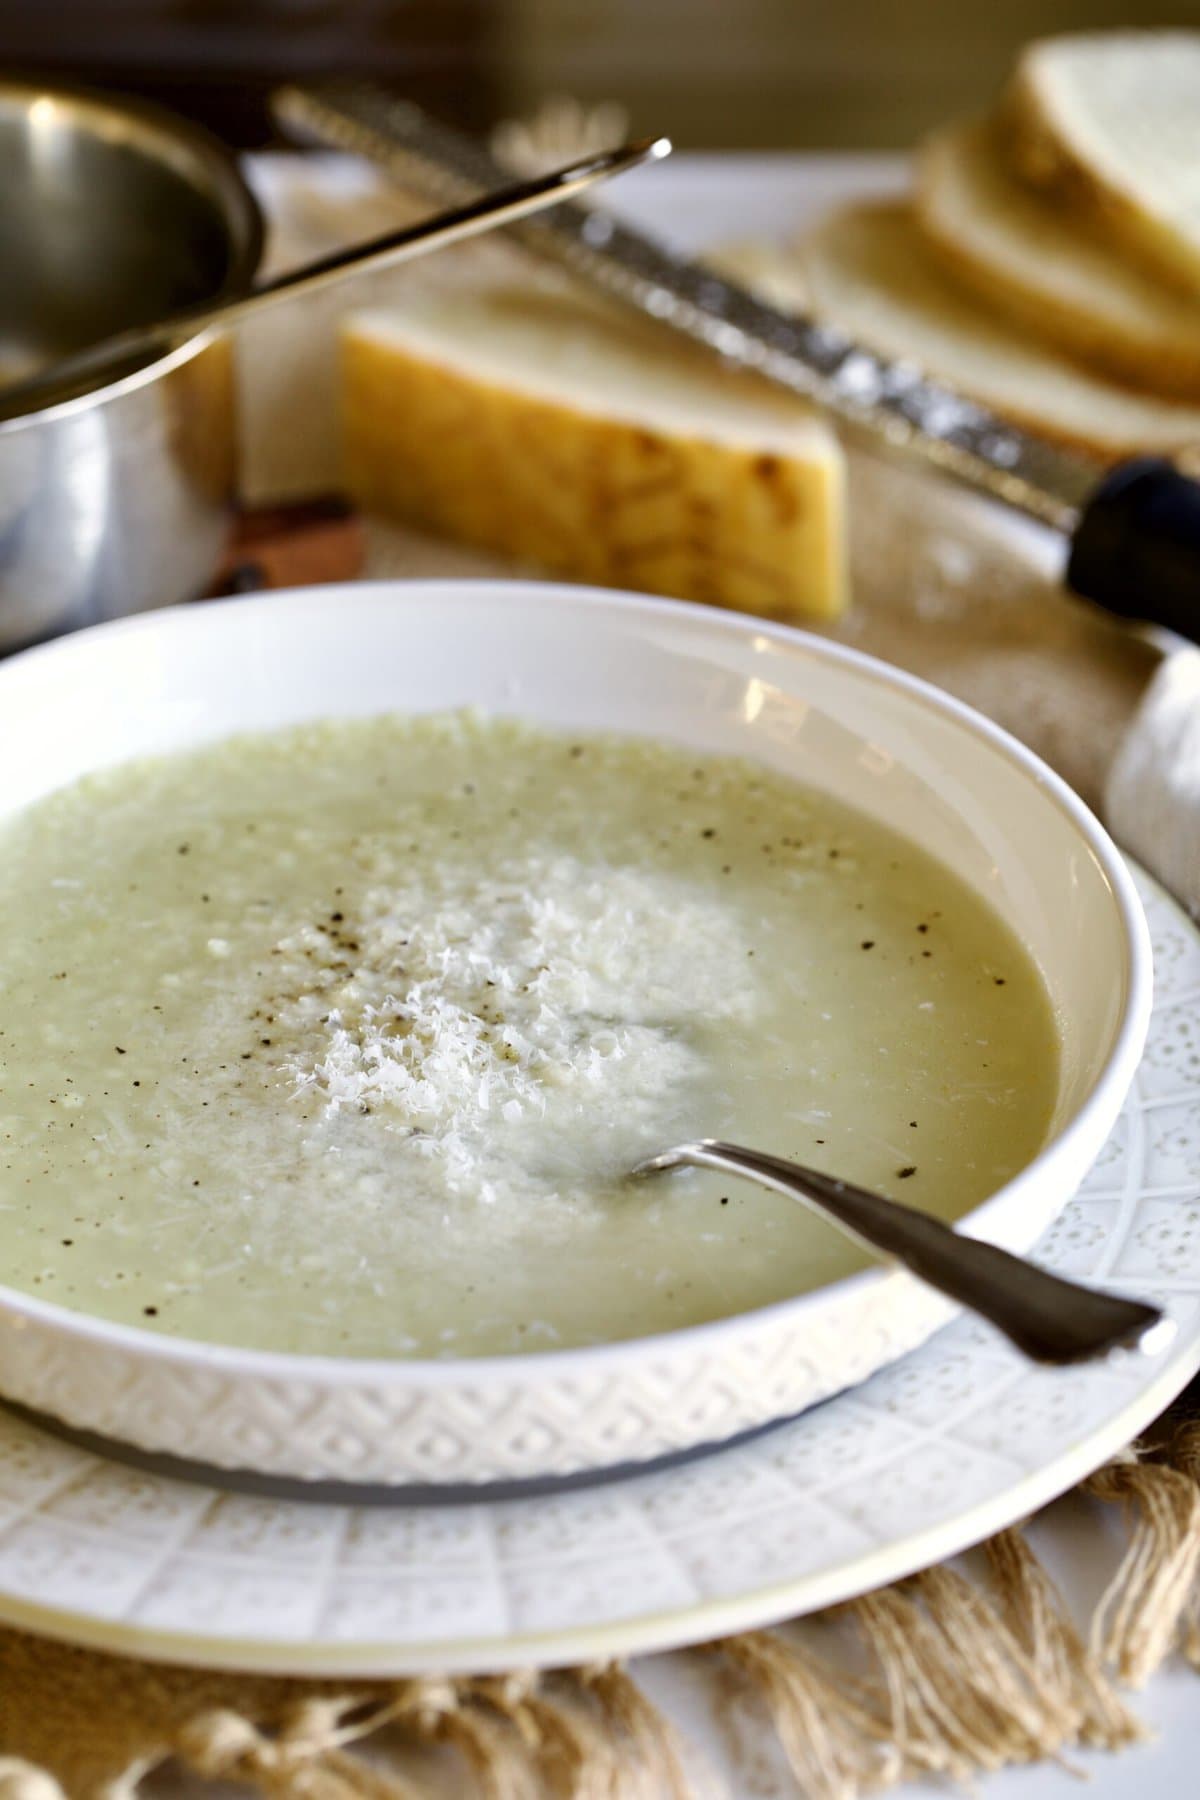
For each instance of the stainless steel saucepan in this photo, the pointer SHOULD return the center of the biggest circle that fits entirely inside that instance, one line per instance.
(125, 234)
(111, 214)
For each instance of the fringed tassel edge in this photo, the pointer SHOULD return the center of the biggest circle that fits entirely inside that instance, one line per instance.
(960, 1677)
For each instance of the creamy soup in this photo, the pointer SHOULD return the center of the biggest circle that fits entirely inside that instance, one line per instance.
(341, 1039)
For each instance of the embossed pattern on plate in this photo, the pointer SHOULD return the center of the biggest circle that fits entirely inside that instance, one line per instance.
(955, 1441)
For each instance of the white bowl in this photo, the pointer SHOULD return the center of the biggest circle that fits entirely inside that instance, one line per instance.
(890, 745)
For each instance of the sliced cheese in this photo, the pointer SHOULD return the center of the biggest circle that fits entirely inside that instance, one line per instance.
(1112, 120)
(868, 269)
(1052, 270)
(534, 422)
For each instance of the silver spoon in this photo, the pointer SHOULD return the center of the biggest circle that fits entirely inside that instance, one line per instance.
(106, 361)
(1051, 1320)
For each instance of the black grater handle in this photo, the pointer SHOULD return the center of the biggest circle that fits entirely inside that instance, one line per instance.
(1136, 549)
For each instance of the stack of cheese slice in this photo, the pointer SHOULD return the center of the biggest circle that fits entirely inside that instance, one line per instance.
(869, 269)
(1052, 269)
(529, 419)
(1049, 264)
(1110, 121)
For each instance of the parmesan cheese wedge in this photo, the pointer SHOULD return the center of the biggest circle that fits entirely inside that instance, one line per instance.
(530, 420)
(868, 269)
(1052, 270)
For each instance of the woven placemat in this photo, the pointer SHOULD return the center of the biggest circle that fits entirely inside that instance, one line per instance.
(954, 1672)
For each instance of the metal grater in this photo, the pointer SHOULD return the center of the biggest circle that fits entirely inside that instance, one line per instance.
(889, 404)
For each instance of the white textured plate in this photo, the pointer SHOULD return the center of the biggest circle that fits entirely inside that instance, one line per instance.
(957, 1440)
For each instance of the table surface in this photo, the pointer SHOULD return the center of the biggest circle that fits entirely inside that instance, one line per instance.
(694, 199)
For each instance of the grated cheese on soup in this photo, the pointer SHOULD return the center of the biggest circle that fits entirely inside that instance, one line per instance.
(483, 1013)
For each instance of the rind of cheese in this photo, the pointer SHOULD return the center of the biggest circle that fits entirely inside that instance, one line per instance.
(563, 436)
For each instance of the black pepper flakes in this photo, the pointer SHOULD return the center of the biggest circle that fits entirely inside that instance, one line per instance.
(867, 944)
(903, 1174)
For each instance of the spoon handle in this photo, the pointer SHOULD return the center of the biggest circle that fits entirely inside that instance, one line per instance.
(1051, 1320)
